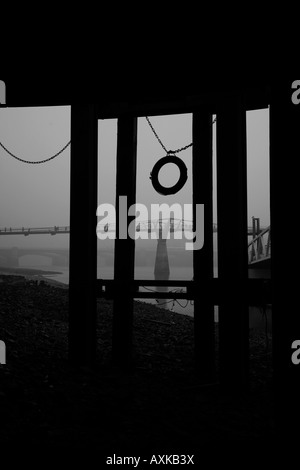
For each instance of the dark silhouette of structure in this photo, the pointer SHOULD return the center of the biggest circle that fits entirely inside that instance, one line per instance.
(233, 291)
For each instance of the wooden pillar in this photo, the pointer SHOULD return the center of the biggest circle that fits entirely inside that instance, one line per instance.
(232, 241)
(203, 259)
(284, 196)
(124, 245)
(83, 240)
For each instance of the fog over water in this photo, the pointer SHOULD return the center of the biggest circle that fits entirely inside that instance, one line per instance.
(39, 195)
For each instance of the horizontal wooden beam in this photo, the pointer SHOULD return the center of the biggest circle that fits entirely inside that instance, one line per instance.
(213, 291)
(138, 104)
(253, 99)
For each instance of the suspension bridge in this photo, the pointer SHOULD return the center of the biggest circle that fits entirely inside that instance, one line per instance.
(259, 248)
(173, 225)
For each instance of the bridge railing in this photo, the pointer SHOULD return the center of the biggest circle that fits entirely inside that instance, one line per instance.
(152, 225)
(174, 225)
(260, 247)
(33, 230)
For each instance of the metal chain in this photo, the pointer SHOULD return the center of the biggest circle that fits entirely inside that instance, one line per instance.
(172, 152)
(37, 162)
(181, 149)
(154, 132)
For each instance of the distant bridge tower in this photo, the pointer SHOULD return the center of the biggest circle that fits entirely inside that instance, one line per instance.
(161, 268)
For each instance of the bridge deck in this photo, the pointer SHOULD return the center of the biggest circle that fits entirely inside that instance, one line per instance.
(146, 225)
(34, 231)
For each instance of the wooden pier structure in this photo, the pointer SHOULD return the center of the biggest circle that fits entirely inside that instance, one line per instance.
(233, 291)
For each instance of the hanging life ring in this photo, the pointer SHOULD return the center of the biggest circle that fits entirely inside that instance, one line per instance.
(158, 166)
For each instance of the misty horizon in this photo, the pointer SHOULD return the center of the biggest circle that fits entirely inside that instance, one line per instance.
(39, 195)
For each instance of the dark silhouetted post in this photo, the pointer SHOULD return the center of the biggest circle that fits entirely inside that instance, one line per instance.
(232, 241)
(284, 196)
(203, 259)
(124, 245)
(83, 240)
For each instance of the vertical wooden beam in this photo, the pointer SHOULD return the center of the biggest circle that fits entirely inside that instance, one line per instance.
(284, 144)
(284, 197)
(203, 259)
(83, 240)
(232, 241)
(124, 247)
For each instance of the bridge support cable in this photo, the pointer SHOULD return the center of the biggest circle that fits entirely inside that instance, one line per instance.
(124, 245)
(203, 259)
(232, 241)
(83, 243)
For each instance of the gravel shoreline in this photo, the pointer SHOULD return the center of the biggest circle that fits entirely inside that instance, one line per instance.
(160, 405)
(33, 274)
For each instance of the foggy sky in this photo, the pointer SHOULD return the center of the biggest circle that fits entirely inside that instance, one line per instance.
(39, 195)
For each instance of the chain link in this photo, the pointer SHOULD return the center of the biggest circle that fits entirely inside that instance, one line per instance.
(181, 149)
(170, 152)
(154, 132)
(36, 162)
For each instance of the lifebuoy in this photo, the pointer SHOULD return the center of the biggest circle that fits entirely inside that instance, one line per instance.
(158, 166)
